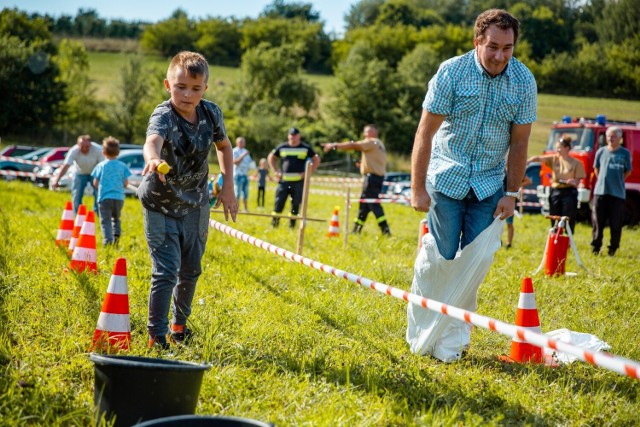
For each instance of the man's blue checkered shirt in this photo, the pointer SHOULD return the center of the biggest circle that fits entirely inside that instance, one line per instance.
(469, 149)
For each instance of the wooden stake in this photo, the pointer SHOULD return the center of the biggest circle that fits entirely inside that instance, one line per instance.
(305, 199)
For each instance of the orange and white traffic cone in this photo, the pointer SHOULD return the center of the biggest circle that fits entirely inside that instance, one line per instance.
(424, 229)
(113, 331)
(65, 229)
(77, 226)
(526, 318)
(84, 254)
(334, 225)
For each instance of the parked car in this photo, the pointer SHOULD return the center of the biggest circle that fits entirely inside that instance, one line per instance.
(42, 155)
(17, 150)
(391, 178)
(135, 160)
(530, 195)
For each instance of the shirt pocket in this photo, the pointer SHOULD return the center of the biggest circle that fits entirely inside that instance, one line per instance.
(509, 108)
(467, 101)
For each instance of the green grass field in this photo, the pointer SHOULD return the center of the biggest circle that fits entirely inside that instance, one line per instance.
(295, 346)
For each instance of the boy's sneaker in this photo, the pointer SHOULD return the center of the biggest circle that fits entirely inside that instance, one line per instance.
(159, 342)
(180, 334)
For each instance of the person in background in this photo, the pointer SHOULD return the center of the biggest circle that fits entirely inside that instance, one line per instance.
(479, 106)
(241, 164)
(262, 174)
(110, 177)
(293, 156)
(84, 156)
(175, 205)
(612, 165)
(373, 166)
(509, 221)
(566, 175)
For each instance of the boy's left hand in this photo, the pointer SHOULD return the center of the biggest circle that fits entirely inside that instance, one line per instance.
(229, 202)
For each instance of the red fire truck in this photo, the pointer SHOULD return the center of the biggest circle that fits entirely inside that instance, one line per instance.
(587, 135)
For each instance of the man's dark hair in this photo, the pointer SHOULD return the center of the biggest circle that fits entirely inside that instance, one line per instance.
(498, 17)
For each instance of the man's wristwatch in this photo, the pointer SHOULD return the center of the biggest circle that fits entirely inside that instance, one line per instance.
(514, 194)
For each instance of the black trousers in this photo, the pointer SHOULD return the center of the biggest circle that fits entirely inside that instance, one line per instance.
(607, 208)
(261, 196)
(286, 188)
(564, 202)
(371, 188)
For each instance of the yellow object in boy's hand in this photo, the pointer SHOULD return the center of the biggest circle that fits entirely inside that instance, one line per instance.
(163, 168)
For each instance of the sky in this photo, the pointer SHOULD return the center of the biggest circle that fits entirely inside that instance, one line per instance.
(331, 12)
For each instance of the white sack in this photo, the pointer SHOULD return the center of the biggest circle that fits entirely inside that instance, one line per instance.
(579, 339)
(454, 282)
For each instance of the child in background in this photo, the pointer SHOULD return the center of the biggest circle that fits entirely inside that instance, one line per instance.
(181, 132)
(262, 173)
(110, 177)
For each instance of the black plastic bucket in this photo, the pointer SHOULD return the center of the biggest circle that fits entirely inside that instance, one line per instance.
(135, 389)
(203, 421)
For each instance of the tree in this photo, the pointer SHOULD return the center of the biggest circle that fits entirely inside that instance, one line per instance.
(312, 43)
(271, 88)
(28, 77)
(219, 41)
(365, 92)
(414, 72)
(620, 21)
(171, 36)
(363, 13)
(128, 112)
(280, 9)
(80, 111)
(273, 75)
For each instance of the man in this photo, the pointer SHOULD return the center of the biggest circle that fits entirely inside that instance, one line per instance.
(241, 165)
(372, 167)
(293, 156)
(612, 166)
(84, 156)
(478, 107)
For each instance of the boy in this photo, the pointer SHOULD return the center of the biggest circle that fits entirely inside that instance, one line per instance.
(181, 132)
(110, 178)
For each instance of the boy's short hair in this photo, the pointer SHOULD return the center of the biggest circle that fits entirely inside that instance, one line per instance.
(192, 62)
(111, 146)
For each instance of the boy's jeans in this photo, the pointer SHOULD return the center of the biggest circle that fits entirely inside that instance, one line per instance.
(110, 225)
(176, 247)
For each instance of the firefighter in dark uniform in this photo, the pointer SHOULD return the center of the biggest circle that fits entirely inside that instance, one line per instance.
(293, 156)
(372, 167)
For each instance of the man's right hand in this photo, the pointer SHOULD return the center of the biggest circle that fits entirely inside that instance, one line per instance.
(420, 200)
(328, 146)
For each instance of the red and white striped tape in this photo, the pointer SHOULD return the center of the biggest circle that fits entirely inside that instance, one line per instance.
(534, 204)
(17, 173)
(339, 180)
(402, 200)
(617, 364)
(23, 161)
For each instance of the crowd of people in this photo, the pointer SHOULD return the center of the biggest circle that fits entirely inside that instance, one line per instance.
(467, 168)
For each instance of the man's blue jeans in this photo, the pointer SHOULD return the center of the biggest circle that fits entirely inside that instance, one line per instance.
(456, 223)
(77, 191)
(241, 187)
(176, 247)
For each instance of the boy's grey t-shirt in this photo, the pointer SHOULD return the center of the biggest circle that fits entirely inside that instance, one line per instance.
(186, 149)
